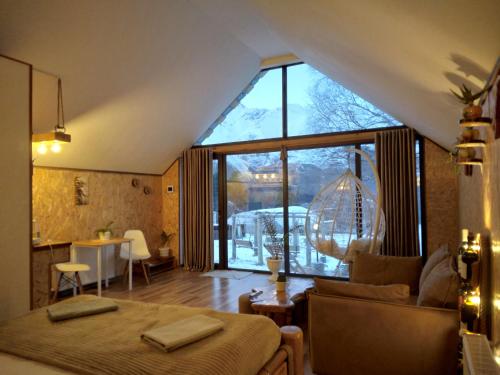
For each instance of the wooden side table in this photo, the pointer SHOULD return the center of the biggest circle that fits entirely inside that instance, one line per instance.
(280, 306)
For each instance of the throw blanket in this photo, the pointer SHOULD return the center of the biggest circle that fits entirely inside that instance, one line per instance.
(182, 332)
(111, 344)
(63, 311)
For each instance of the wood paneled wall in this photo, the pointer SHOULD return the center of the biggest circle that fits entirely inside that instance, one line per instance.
(171, 206)
(111, 198)
(441, 198)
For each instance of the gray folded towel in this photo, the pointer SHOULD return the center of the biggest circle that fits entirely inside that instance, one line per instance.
(64, 311)
(182, 332)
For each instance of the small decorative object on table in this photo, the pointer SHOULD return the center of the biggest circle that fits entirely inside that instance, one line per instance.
(106, 232)
(281, 283)
(275, 244)
(166, 238)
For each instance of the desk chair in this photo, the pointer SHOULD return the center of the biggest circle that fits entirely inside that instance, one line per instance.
(140, 252)
(68, 272)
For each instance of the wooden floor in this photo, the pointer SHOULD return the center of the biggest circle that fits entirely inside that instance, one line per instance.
(180, 287)
(188, 288)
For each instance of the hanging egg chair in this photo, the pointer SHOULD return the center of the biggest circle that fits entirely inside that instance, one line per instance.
(346, 217)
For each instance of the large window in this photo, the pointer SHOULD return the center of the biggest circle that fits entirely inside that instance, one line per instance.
(314, 104)
(253, 183)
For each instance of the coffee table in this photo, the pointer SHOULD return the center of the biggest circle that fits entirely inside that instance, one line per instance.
(279, 306)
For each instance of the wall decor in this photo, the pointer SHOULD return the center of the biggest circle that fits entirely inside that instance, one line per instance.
(82, 190)
(136, 182)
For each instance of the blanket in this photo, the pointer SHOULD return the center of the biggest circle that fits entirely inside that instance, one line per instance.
(111, 343)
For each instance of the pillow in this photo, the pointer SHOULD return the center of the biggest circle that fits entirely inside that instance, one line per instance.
(436, 258)
(440, 288)
(385, 270)
(396, 293)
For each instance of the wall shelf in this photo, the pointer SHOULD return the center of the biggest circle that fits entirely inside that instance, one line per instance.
(472, 144)
(479, 122)
(470, 162)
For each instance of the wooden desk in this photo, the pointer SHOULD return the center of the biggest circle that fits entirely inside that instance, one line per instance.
(279, 306)
(98, 245)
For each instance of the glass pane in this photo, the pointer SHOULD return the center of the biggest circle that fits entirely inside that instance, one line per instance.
(317, 104)
(255, 114)
(254, 190)
(419, 196)
(216, 210)
(309, 171)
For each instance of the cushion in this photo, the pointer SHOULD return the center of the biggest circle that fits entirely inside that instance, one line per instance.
(436, 258)
(385, 270)
(440, 288)
(397, 293)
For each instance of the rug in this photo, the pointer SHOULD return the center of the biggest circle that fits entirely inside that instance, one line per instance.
(236, 275)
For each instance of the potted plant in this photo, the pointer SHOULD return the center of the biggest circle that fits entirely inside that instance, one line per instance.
(166, 237)
(106, 232)
(281, 283)
(472, 111)
(275, 245)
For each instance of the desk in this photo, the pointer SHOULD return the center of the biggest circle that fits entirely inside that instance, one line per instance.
(98, 245)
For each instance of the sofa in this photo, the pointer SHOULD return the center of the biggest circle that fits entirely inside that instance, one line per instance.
(394, 317)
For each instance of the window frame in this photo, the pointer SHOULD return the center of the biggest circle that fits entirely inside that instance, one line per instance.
(353, 138)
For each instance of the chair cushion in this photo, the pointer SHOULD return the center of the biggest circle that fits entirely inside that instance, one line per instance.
(385, 270)
(436, 258)
(397, 293)
(72, 267)
(440, 288)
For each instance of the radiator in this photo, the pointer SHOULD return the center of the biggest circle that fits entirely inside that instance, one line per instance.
(478, 358)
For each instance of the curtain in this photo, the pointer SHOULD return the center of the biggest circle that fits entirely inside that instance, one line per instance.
(396, 163)
(197, 207)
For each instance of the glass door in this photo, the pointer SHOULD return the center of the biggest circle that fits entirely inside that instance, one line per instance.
(309, 171)
(254, 197)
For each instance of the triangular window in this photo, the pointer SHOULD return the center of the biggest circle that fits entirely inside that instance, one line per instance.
(315, 104)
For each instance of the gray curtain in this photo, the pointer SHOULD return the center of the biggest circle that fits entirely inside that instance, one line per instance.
(197, 205)
(396, 163)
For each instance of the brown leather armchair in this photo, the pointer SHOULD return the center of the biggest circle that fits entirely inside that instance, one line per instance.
(355, 336)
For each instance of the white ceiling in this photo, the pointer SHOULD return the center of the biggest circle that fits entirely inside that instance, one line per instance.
(143, 79)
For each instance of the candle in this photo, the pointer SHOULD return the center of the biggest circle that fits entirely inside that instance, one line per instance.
(465, 234)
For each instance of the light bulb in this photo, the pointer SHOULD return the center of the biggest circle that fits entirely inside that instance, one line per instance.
(42, 149)
(55, 148)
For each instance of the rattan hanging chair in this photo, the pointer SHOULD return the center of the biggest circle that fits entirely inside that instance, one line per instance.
(346, 217)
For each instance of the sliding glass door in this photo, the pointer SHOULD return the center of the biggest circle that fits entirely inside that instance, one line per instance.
(254, 190)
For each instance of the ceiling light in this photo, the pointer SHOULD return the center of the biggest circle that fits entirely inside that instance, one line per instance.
(59, 133)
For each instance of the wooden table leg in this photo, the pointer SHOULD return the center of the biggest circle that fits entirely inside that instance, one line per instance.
(99, 272)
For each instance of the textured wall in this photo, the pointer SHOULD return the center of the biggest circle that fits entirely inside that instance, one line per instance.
(441, 190)
(111, 198)
(479, 207)
(171, 205)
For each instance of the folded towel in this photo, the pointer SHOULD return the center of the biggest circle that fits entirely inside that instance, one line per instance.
(63, 311)
(182, 332)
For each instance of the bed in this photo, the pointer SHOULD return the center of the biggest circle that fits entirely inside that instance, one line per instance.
(110, 343)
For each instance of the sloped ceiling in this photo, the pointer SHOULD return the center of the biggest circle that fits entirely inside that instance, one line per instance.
(402, 56)
(143, 79)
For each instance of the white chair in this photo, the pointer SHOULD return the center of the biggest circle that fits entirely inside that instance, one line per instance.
(140, 252)
(69, 272)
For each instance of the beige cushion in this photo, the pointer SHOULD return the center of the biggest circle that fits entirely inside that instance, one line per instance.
(385, 270)
(72, 267)
(440, 288)
(397, 293)
(436, 258)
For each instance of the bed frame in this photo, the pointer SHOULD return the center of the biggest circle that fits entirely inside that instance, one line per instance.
(282, 363)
